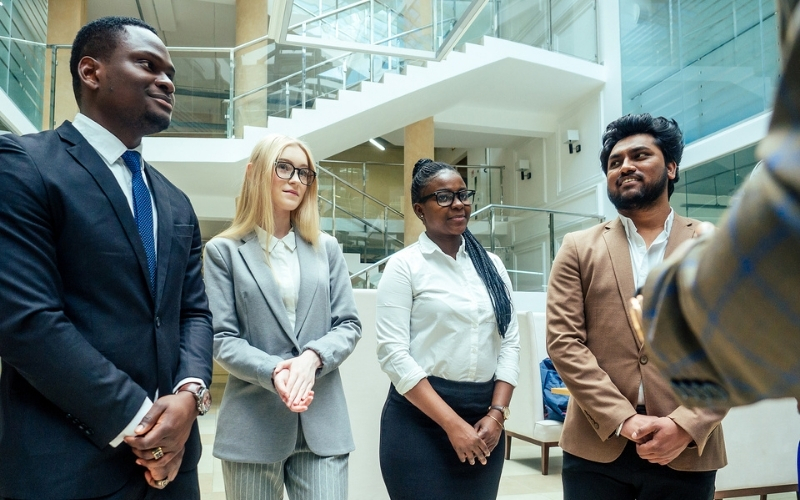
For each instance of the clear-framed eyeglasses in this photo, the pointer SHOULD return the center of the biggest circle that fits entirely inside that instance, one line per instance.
(286, 170)
(445, 197)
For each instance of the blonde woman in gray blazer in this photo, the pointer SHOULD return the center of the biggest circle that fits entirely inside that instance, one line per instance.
(284, 320)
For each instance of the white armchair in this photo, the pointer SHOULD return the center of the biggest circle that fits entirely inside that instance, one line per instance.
(527, 408)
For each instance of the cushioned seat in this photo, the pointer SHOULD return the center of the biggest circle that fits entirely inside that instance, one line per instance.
(527, 408)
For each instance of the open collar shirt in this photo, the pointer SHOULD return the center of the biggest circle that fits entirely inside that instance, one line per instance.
(435, 317)
(644, 258)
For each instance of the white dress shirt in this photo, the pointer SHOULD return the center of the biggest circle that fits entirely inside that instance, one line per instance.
(110, 150)
(435, 317)
(285, 266)
(643, 259)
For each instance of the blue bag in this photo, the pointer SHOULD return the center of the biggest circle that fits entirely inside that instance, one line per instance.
(555, 405)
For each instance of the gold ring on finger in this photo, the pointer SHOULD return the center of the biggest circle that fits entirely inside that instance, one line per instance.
(157, 453)
(161, 483)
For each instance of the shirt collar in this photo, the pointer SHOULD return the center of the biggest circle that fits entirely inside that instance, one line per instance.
(107, 145)
(630, 227)
(426, 245)
(290, 241)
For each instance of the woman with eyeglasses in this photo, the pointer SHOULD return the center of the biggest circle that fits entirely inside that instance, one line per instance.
(448, 339)
(284, 320)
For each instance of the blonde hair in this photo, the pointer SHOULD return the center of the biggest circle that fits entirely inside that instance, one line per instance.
(254, 205)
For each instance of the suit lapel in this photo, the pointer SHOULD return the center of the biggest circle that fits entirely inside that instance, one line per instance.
(682, 230)
(88, 158)
(618, 250)
(310, 271)
(253, 256)
(165, 229)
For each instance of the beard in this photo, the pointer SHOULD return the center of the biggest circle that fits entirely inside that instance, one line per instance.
(643, 198)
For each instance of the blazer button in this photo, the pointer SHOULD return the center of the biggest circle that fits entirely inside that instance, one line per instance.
(295, 352)
(158, 322)
(643, 360)
(88, 432)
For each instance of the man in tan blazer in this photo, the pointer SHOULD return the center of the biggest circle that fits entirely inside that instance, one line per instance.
(625, 434)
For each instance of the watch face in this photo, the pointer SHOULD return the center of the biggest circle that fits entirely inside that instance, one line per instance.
(203, 401)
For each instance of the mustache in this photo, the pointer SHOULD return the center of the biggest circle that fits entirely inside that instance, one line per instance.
(170, 98)
(632, 175)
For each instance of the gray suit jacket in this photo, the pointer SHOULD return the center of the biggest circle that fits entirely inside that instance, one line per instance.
(252, 335)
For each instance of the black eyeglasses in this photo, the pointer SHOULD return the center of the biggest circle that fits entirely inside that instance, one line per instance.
(445, 197)
(286, 170)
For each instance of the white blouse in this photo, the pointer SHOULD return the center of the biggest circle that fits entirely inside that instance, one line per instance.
(285, 266)
(435, 317)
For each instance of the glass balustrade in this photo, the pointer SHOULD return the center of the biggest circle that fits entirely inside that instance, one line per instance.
(363, 224)
(526, 239)
(563, 26)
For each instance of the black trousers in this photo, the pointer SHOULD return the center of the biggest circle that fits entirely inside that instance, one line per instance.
(630, 477)
(417, 460)
(184, 487)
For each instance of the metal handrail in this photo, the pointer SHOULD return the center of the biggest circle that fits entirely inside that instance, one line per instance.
(29, 42)
(531, 209)
(289, 77)
(375, 265)
(366, 195)
(358, 218)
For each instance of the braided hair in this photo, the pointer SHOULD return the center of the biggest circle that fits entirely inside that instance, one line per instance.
(425, 170)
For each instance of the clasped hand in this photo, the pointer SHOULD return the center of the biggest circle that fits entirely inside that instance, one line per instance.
(167, 426)
(294, 379)
(659, 440)
(475, 443)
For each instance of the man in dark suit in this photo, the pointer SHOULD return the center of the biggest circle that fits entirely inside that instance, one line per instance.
(105, 332)
(626, 436)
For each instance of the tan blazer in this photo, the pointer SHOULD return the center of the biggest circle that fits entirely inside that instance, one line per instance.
(596, 352)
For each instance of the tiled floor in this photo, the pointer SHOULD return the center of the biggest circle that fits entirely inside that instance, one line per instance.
(521, 480)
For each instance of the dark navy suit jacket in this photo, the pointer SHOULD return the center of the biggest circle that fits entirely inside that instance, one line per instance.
(82, 339)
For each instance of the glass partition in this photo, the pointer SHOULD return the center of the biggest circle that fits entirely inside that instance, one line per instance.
(23, 34)
(707, 63)
(705, 191)
(22, 65)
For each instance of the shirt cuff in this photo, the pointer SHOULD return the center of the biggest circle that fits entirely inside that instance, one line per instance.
(128, 430)
(186, 381)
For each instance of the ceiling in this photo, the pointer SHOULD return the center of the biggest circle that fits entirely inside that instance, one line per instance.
(181, 23)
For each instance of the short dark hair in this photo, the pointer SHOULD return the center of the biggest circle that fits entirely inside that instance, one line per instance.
(666, 134)
(99, 39)
(425, 170)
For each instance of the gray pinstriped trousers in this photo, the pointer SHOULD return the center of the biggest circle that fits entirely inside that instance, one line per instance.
(307, 476)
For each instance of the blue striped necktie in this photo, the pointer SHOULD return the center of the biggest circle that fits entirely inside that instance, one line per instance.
(142, 212)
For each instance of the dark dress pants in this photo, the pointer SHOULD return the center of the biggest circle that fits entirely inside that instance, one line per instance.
(184, 487)
(630, 477)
